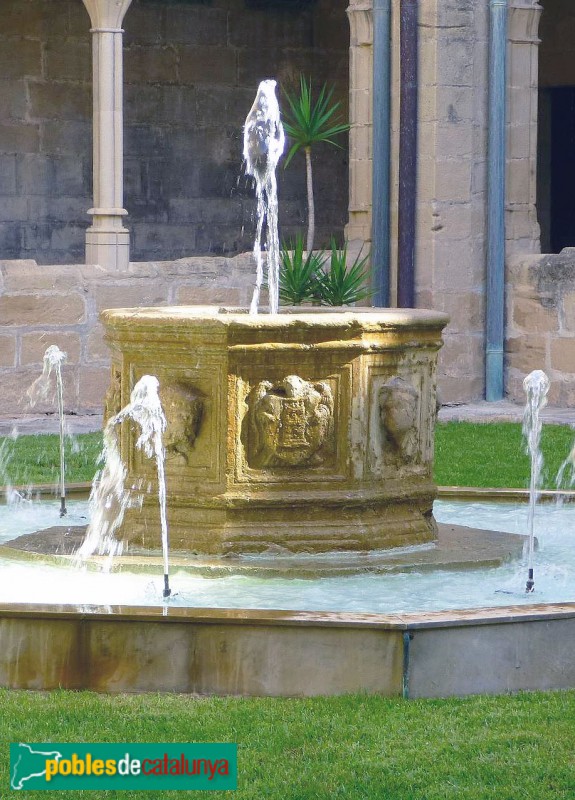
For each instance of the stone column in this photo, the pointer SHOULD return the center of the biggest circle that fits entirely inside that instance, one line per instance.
(360, 117)
(107, 241)
(522, 105)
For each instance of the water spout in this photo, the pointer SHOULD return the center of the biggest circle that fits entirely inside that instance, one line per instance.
(39, 391)
(536, 386)
(264, 142)
(110, 498)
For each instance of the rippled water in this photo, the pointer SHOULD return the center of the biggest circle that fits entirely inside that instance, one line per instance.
(554, 572)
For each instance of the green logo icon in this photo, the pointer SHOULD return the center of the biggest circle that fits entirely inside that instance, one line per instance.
(58, 766)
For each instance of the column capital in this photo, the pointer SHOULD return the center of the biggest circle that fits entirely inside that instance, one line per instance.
(107, 14)
(360, 15)
(524, 16)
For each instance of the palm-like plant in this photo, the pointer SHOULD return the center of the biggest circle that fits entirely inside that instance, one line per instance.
(299, 272)
(344, 285)
(308, 122)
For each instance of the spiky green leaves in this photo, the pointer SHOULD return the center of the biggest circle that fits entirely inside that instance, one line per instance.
(299, 272)
(308, 122)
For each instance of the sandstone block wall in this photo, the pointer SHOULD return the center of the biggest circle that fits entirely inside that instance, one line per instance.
(45, 305)
(541, 324)
(191, 71)
(452, 185)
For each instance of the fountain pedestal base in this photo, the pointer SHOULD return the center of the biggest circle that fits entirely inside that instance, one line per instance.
(303, 432)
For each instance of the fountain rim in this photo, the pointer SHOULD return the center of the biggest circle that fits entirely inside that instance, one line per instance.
(450, 618)
(366, 318)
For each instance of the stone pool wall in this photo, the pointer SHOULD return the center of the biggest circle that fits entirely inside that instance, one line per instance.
(289, 653)
(40, 306)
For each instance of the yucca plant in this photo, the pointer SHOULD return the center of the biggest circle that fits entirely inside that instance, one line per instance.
(299, 272)
(344, 285)
(308, 122)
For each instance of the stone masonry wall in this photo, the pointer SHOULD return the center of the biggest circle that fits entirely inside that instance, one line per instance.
(44, 305)
(541, 324)
(191, 71)
(452, 185)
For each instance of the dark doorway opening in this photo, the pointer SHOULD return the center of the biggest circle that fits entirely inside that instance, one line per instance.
(556, 168)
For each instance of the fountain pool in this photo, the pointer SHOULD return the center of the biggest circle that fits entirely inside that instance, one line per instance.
(383, 588)
(61, 627)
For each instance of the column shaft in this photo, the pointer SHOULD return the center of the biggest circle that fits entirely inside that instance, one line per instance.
(107, 241)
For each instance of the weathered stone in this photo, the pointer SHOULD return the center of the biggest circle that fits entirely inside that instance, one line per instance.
(13, 208)
(92, 387)
(7, 351)
(19, 138)
(60, 101)
(462, 389)
(16, 382)
(527, 352)
(72, 58)
(67, 137)
(214, 295)
(207, 64)
(34, 346)
(563, 354)
(13, 94)
(8, 174)
(96, 348)
(27, 64)
(160, 64)
(127, 295)
(196, 25)
(568, 316)
(530, 316)
(24, 276)
(291, 431)
(50, 309)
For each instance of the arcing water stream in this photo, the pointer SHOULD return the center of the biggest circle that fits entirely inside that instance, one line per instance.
(536, 386)
(110, 498)
(39, 391)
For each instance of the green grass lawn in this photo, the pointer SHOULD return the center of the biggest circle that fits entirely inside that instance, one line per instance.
(356, 747)
(466, 454)
(36, 459)
(493, 454)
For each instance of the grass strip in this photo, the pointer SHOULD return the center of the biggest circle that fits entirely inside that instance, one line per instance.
(466, 454)
(493, 454)
(36, 459)
(354, 747)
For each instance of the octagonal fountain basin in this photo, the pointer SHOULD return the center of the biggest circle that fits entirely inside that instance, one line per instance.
(309, 431)
(393, 631)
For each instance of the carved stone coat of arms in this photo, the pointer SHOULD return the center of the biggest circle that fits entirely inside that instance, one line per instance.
(291, 423)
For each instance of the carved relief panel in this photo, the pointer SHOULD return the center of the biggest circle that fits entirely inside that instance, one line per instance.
(190, 401)
(289, 423)
(183, 406)
(398, 413)
(401, 421)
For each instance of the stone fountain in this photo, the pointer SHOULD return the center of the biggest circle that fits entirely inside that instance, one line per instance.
(305, 431)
